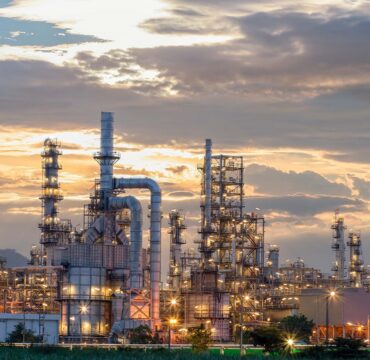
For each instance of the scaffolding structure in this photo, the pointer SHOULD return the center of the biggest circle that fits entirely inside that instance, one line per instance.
(356, 264)
(54, 231)
(339, 247)
(176, 229)
(29, 290)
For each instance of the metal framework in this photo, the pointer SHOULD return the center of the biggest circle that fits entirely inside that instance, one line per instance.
(176, 229)
(54, 231)
(356, 265)
(339, 247)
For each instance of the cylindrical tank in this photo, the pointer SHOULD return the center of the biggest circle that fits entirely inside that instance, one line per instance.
(86, 304)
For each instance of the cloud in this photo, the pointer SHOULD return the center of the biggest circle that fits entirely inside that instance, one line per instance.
(301, 205)
(280, 56)
(268, 180)
(181, 194)
(362, 186)
(177, 169)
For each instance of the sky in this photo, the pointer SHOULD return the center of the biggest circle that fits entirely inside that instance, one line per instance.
(284, 83)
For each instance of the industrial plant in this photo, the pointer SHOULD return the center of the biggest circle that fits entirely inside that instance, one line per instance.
(95, 284)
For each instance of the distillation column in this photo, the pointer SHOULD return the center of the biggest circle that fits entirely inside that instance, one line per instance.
(50, 225)
(206, 205)
(339, 248)
(177, 226)
(273, 262)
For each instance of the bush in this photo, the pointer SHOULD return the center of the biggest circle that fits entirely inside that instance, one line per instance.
(200, 339)
(20, 334)
(246, 336)
(344, 348)
(349, 348)
(141, 335)
(269, 337)
(298, 326)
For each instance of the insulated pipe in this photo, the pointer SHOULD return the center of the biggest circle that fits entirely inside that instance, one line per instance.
(155, 235)
(136, 266)
(207, 185)
(106, 152)
(106, 158)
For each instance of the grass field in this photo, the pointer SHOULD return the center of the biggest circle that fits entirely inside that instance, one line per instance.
(10, 353)
(50, 353)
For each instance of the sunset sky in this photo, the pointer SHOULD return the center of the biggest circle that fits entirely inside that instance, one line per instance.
(284, 83)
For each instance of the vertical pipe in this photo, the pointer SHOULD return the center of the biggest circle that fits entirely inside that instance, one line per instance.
(207, 184)
(106, 151)
(327, 321)
(136, 266)
(106, 159)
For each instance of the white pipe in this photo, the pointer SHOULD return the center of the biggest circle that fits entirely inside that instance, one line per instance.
(136, 266)
(155, 235)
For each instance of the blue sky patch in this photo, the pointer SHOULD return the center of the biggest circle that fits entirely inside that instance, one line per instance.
(15, 32)
(5, 3)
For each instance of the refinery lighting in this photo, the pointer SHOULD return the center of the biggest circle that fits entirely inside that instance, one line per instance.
(101, 272)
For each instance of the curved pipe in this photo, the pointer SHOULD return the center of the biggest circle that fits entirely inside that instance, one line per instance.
(155, 234)
(136, 266)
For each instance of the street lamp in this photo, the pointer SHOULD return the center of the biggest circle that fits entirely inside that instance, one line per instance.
(171, 322)
(327, 298)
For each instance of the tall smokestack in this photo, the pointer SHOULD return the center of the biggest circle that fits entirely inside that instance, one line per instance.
(106, 157)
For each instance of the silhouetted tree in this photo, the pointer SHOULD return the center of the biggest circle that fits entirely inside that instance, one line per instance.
(141, 335)
(269, 337)
(298, 326)
(19, 333)
(200, 339)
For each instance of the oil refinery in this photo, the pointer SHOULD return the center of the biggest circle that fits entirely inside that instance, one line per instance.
(97, 283)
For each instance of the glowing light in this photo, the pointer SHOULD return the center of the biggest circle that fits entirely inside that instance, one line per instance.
(173, 302)
(290, 342)
(332, 293)
(173, 321)
(84, 309)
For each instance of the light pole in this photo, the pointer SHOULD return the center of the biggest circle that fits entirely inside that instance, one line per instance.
(171, 322)
(327, 298)
(242, 322)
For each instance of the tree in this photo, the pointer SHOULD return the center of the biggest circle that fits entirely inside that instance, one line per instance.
(141, 335)
(20, 333)
(269, 337)
(200, 339)
(156, 339)
(246, 336)
(298, 326)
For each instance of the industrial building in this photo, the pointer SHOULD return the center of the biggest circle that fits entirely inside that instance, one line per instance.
(100, 282)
